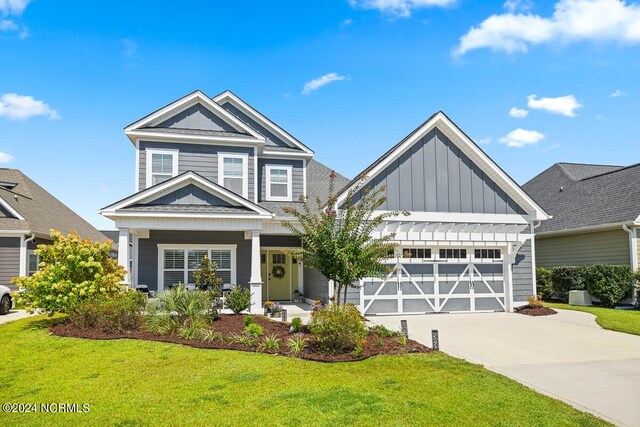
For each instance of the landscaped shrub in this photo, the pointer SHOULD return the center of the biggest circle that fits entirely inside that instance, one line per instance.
(543, 283)
(296, 325)
(253, 330)
(248, 320)
(609, 283)
(567, 278)
(382, 331)
(239, 299)
(534, 302)
(72, 272)
(337, 328)
(178, 308)
(122, 312)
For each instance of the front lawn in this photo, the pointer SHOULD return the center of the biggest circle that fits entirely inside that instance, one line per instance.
(627, 321)
(131, 382)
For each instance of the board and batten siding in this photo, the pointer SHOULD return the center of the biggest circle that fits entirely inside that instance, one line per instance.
(522, 274)
(297, 180)
(9, 260)
(197, 117)
(602, 247)
(199, 158)
(148, 251)
(433, 175)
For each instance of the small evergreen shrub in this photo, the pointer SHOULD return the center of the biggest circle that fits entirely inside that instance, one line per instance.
(239, 300)
(296, 325)
(543, 283)
(122, 312)
(567, 278)
(609, 283)
(337, 329)
(383, 332)
(248, 320)
(253, 330)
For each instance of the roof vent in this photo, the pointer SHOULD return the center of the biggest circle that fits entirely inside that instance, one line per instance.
(8, 185)
(561, 188)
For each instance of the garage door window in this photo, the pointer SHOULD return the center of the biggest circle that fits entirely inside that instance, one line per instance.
(453, 253)
(419, 253)
(487, 254)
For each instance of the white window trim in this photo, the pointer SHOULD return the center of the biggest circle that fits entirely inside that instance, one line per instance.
(186, 247)
(245, 170)
(149, 152)
(289, 195)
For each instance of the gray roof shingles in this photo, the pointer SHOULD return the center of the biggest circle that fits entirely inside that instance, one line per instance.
(42, 211)
(586, 195)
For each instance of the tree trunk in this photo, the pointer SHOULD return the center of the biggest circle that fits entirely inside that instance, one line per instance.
(336, 293)
(346, 289)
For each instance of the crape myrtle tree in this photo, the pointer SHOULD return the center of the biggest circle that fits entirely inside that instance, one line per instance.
(337, 240)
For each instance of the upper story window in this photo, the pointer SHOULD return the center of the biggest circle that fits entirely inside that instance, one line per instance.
(233, 173)
(161, 165)
(278, 183)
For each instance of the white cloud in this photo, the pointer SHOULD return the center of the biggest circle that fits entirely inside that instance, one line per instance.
(317, 83)
(572, 21)
(21, 107)
(600, 117)
(13, 7)
(346, 22)
(400, 8)
(130, 48)
(517, 5)
(521, 137)
(484, 141)
(564, 105)
(618, 93)
(8, 25)
(5, 158)
(518, 113)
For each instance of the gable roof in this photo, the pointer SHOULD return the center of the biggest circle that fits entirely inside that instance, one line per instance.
(229, 97)
(175, 107)
(139, 202)
(37, 210)
(441, 121)
(582, 197)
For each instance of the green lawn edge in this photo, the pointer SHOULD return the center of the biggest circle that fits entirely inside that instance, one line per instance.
(140, 383)
(627, 321)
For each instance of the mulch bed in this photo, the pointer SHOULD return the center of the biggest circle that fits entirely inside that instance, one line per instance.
(228, 325)
(537, 311)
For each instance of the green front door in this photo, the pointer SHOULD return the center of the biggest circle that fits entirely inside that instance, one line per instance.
(277, 279)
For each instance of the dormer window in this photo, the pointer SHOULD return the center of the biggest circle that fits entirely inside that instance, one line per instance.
(233, 172)
(278, 183)
(161, 165)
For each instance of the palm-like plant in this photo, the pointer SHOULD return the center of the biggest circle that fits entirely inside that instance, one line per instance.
(176, 309)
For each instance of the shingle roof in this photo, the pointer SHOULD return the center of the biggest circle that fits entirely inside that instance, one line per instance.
(40, 209)
(586, 195)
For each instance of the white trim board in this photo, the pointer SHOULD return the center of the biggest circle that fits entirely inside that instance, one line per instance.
(470, 149)
(11, 210)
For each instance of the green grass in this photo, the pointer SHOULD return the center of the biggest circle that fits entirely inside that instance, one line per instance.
(136, 383)
(627, 321)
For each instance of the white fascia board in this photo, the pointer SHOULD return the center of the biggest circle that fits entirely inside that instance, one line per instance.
(248, 110)
(188, 101)
(266, 154)
(470, 149)
(174, 183)
(14, 233)
(192, 138)
(113, 214)
(11, 210)
(585, 229)
(456, 217)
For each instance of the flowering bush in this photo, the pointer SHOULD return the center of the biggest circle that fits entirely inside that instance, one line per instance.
(317, 305)
(72, 272)
(337, 328)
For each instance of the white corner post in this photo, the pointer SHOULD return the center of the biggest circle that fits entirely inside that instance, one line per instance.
(124, 254)
(23, 257)
(255, 282)
(508, 278)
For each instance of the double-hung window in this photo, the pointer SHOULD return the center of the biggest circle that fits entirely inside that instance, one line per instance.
(278, 183)
(161, 165)
(233, 173)
(179, 264)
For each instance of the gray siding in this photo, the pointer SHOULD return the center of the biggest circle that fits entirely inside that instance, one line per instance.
(523, 274)
(190, 195)
(271, 139)
(316, 286)
(435, 176)
(197, 117)
(603, 247)
(9, 260)
(297, 172)
(199, 158)
(148, 251)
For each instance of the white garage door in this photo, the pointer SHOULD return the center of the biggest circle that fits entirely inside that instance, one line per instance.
(424, 286)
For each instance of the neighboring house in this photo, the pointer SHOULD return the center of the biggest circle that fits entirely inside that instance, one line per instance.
(596, 214)
(27, 214)
(213, 176)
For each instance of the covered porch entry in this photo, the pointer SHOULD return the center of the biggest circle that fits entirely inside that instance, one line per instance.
(281, 274)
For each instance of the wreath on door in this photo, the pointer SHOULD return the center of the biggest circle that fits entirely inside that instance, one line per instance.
(277, 271)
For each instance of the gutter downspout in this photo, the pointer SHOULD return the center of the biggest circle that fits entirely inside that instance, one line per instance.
(534, 224)
(633, 252)
(24, 244)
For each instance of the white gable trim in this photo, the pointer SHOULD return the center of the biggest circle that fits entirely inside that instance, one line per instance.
(182, 104)
(471, 150)
(178, 182)
(228, 96)
(11, 210)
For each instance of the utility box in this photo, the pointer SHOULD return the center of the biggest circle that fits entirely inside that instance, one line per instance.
(579, 298)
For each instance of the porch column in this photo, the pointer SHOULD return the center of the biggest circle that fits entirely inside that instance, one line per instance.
(509, 259)
(123, 254)
(255, 282)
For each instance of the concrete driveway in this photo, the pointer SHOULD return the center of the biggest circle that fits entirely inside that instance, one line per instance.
(566, 356)
(13, 315)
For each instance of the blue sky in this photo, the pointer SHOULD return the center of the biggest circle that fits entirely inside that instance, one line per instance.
(73, 74)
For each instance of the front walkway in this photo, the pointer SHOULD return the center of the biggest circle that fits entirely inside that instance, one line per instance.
(566, 356)
(13, 315)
